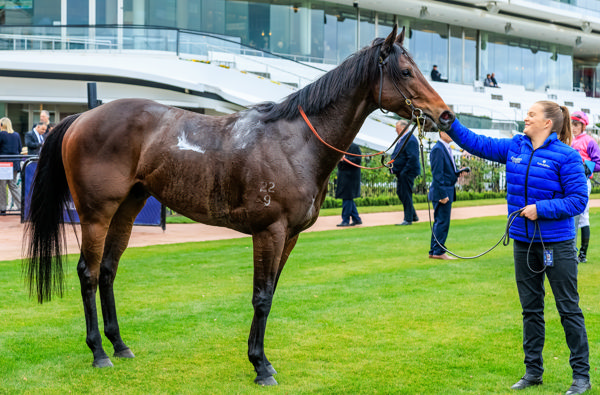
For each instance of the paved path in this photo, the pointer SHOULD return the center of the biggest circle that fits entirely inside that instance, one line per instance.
(11, 230)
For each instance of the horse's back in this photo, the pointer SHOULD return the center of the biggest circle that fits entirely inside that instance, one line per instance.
(221, 170)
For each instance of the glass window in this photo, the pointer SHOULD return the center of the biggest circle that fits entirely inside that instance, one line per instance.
(189, 14)
(456, 55)
(278, 37)
(346, 32)
(514, 66)
(46, 12)
(470, 60)
(77, 13)
(317, 35)
(213, 16)
(258, 25)
(161, 13)
(236, 20)
(429, 45)
(367, 27)
(528, 68)
(330, 38)
(106, 12)
(299, 30)
(16, 13)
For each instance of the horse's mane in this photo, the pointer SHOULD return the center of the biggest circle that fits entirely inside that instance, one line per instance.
(359, 68)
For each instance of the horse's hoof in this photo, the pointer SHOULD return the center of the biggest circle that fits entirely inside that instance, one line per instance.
(271, 370)
(269, 380)
(102, 363)
(126, 353)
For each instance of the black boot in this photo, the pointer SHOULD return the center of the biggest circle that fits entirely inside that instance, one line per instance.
(585, 240)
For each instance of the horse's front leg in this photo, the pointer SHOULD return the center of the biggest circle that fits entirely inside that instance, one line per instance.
(268, 252)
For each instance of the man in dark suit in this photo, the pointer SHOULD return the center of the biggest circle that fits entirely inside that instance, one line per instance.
(348, 186)
(406, 168)
(35, 138)
(442, 193)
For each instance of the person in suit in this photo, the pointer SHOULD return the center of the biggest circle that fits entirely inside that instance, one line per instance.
(35, 138)
(406, 168)
(45, 117)
(442, 193)
(348, 186)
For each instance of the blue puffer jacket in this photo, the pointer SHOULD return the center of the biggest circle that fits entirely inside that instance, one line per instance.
(552, 177)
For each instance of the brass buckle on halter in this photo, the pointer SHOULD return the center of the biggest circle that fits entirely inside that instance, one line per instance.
(418, 119)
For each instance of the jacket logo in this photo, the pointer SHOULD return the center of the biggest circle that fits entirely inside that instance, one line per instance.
(543, 163)
(515, 160)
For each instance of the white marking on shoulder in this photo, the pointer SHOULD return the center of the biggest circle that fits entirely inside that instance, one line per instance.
(184, 145)
(243, 128)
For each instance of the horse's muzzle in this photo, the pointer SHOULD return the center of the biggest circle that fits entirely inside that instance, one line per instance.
(446, 119)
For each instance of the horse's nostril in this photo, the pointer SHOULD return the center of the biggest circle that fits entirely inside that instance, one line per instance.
(446, 119)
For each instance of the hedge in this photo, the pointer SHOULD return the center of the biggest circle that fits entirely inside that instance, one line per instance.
(394, 201)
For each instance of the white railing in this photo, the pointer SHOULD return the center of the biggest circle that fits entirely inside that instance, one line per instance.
(34, 42)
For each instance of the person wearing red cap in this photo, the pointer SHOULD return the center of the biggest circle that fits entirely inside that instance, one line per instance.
(590, 152)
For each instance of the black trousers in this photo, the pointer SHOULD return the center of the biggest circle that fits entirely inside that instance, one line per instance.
(563, 281)
(404, 190)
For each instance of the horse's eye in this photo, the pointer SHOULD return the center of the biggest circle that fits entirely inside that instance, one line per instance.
(405, 73)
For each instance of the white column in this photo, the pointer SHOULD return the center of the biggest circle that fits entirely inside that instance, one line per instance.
(63, 22)
(462, 63)
(139, 17)
(448, 56)
(305, 31)
(357, 29)
(92, 22)
(120, 23)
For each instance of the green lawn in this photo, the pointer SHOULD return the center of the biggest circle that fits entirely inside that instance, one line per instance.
(357, 311)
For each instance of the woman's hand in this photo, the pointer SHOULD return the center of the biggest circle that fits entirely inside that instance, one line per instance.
(530, 212)
(444, 200)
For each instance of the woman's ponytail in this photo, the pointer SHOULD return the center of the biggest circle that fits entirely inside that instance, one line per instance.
(561, 120)
(565, 135)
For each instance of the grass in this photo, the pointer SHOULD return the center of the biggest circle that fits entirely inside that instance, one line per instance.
(357, 311)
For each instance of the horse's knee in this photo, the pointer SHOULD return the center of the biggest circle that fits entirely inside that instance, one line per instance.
(262, 302)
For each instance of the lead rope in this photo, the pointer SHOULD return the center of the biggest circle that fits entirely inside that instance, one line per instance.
(504, 239)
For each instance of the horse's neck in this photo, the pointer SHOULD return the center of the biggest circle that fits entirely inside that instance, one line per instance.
(338, 126)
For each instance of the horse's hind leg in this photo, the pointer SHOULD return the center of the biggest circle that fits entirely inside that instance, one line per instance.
(88, 269)
(116, 242)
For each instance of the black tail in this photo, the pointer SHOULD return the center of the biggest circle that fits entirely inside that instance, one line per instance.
(44, 234)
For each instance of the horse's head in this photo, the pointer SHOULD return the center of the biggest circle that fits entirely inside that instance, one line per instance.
(402, 88)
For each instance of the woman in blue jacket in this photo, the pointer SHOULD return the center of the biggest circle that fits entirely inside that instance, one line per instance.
(545, 178)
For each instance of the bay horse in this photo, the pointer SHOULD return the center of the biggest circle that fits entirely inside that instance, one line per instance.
(260, 171)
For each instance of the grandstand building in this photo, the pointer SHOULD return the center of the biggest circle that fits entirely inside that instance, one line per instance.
(219, 56)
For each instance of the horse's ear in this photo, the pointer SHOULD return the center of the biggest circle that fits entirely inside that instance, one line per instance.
(400, 38)
(387, 45)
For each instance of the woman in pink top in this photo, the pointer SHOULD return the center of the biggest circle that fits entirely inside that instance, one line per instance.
(589, 151)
